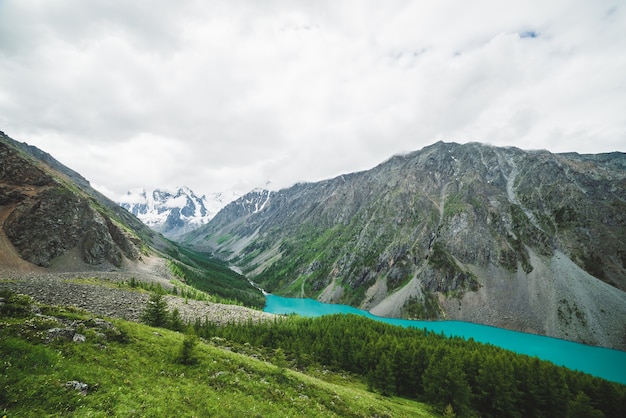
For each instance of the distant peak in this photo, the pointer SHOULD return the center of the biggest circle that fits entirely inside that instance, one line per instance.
(175, 211)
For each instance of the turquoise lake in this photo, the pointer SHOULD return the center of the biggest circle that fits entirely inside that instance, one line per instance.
(602, 362)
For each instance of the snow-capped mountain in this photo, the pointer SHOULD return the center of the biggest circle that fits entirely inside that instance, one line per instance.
(174, 213)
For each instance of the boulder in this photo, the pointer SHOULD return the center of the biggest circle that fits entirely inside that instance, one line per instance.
(82, 388)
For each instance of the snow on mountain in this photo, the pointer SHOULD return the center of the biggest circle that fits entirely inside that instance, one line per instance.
(255, 200)
(175, 212)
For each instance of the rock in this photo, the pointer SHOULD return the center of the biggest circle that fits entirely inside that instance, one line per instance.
(81, 387)
(99, 323)
(79, 338)
(60, 333)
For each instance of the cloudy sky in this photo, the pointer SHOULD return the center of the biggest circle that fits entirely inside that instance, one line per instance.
(220, 95)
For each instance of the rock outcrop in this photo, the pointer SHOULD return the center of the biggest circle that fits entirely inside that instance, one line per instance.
(46, 214)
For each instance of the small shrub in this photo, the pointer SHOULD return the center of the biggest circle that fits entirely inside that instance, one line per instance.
(14, 305)
(119, 335)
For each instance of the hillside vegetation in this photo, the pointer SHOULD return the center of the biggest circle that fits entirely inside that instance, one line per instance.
(66, 361)
(128, 369)
(453, 374)
(213, 276)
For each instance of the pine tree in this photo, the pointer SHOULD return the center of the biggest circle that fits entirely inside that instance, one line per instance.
(186, 353)
(445, 383)
(581, 406)
(175, 321)
(156, 313)
(448, 411)
(384, 379)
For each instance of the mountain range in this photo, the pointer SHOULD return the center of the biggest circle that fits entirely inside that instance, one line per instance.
(526, 240)
(174, 213)
(494, 235)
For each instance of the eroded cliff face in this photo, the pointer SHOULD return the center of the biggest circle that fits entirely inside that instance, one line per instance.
(45, 215)
(450, 231)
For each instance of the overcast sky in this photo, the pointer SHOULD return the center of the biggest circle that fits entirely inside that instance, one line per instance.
(220, 95)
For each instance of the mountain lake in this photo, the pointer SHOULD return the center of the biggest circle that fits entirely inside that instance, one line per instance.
(602, 362)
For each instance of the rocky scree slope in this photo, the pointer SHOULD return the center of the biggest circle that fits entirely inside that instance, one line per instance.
(108, 294)
(527, 240)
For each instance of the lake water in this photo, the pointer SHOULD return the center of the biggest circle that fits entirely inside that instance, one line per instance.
(602, 362)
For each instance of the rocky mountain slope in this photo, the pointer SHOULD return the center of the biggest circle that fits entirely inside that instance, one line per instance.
(52, 221)
(526, 240)
(174, 213)
(47, 212)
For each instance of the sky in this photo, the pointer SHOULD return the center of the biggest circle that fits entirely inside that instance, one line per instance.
(233, 94)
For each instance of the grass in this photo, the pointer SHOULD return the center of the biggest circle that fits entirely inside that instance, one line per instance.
(140, 375)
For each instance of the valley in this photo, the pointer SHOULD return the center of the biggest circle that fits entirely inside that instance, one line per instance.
(521, 240)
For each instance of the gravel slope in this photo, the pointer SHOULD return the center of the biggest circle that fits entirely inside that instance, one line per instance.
(101, 295)
(557, 299)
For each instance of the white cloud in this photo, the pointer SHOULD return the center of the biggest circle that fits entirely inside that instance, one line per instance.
(225, 94)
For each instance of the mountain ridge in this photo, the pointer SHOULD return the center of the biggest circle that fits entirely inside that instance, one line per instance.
(174, 212)
(449, 231)
(50, 209)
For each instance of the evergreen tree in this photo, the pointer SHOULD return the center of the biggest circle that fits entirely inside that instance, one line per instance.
(580, 407)
(156, 313)
(175, 321)
(448, 411)
(494, 391)
(186, 353)
(280, 360)
(371, 380)
(445, 383)
(383, 378)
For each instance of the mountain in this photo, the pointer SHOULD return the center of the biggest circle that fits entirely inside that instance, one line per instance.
(48, 210)
(175, 213)
(525, 240)
(53, 222)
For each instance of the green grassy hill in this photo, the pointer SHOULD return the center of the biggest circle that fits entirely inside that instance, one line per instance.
(131, 370)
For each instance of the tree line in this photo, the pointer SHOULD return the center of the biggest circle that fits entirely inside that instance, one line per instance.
(457, 376)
